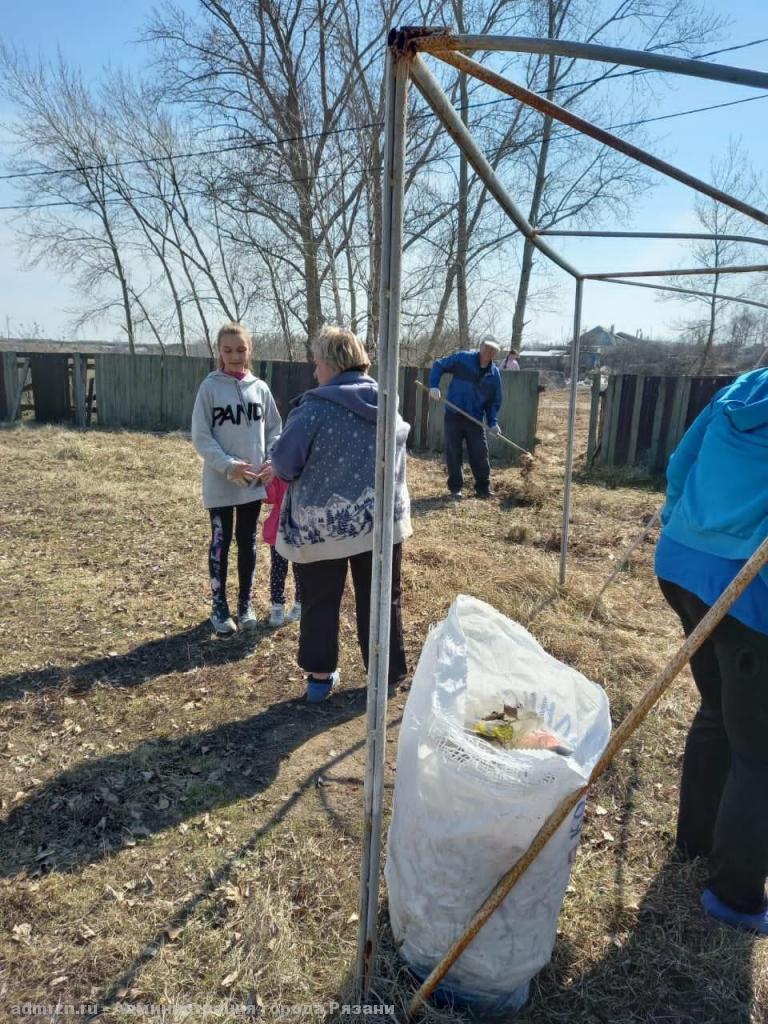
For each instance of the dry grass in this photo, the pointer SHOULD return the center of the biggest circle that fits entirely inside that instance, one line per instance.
(177, 826)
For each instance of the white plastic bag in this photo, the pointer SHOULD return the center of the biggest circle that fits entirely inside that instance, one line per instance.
(465, 810)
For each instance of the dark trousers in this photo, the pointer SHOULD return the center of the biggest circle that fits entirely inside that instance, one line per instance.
(457, 431)
(724, 788)
(245, 521)
(278, 570)
(322, 587)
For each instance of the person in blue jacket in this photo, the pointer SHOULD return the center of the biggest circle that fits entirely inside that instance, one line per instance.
(714, 518)
(475, 388)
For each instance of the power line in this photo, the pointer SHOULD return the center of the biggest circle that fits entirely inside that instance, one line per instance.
(564, 134)
(256, 144)
(140, 194)
(260, 143)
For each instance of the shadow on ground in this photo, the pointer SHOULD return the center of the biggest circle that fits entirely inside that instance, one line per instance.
(93, 809)
(181, 652)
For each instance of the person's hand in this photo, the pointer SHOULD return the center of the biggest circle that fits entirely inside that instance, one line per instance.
(242, 473)
(435, 393)
(265, 474)
(495, 429)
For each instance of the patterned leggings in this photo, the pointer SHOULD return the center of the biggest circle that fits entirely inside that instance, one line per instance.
(222, 520)
(278, 570)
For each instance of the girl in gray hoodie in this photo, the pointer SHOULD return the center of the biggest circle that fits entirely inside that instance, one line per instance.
(235, 422)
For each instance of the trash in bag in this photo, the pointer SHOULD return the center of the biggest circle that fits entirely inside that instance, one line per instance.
(516, 728)
(495, 734)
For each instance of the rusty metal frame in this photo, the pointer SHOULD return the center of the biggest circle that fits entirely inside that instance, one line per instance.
(409, 42)
(404, 64)
(439, 41)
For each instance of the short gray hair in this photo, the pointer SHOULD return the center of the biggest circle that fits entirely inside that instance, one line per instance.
(340, 348)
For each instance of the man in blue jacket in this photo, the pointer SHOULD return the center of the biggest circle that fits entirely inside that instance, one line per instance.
(475, 388)
(715, 516)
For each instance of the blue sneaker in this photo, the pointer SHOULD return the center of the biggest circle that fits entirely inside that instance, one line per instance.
(714, 907)
(320, 689)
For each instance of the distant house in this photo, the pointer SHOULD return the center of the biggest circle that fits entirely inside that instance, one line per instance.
(598, 338)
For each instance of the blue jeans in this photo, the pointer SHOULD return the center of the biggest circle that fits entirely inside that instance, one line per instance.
(458, 429)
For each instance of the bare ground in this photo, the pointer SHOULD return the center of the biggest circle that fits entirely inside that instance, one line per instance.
(177, 827)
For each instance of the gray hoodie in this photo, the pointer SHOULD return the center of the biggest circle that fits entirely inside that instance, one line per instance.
(233, 421)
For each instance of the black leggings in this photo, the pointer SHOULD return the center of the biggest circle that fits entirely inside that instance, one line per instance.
(278, 570)
(246, 522)
(724, 788)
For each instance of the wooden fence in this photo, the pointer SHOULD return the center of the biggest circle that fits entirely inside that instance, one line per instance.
(639, 419)
(157, 392)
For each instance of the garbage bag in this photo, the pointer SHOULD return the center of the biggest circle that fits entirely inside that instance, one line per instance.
(466, 808)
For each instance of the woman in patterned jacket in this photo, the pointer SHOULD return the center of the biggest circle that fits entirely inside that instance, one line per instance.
(327, 454)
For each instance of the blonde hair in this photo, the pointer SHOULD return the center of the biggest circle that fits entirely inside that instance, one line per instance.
(341, 349)
(241, 332)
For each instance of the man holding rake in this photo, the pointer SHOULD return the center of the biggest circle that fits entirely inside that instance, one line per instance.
(475, 389)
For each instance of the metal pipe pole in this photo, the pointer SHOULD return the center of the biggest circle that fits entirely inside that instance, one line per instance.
(571, 430)
(615, 274)
(443, 108)
(682, 235)
(618, 740)
(381, 577)
(439, 43)
(544, 106)
(686, 291)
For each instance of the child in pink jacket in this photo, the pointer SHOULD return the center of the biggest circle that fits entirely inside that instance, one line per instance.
(278, 569)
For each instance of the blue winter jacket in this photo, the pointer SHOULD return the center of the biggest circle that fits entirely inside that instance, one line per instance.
(474, 389)
(717, 478)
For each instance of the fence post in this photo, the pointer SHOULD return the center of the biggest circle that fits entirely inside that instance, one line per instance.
(15, 407)
(612, 413)
(10, 381)
(594, 411)
(79, 388)
(416, 425)
(634, 427)
(680, 400)
(658, 418)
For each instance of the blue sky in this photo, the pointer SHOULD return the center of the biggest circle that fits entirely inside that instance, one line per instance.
(95, 34)
(92, 34)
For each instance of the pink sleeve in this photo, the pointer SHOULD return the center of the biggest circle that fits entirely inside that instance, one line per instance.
(274, 492)
(276, 489)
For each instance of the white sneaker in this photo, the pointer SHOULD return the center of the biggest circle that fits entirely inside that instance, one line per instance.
(246, 617)
(277, 615)
(222, 622)
(295, 613)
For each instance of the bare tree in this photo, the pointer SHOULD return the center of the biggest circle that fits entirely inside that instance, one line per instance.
(731, 174)
(73, 225)
(278, 219)
(269, 73)
(584, 182)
